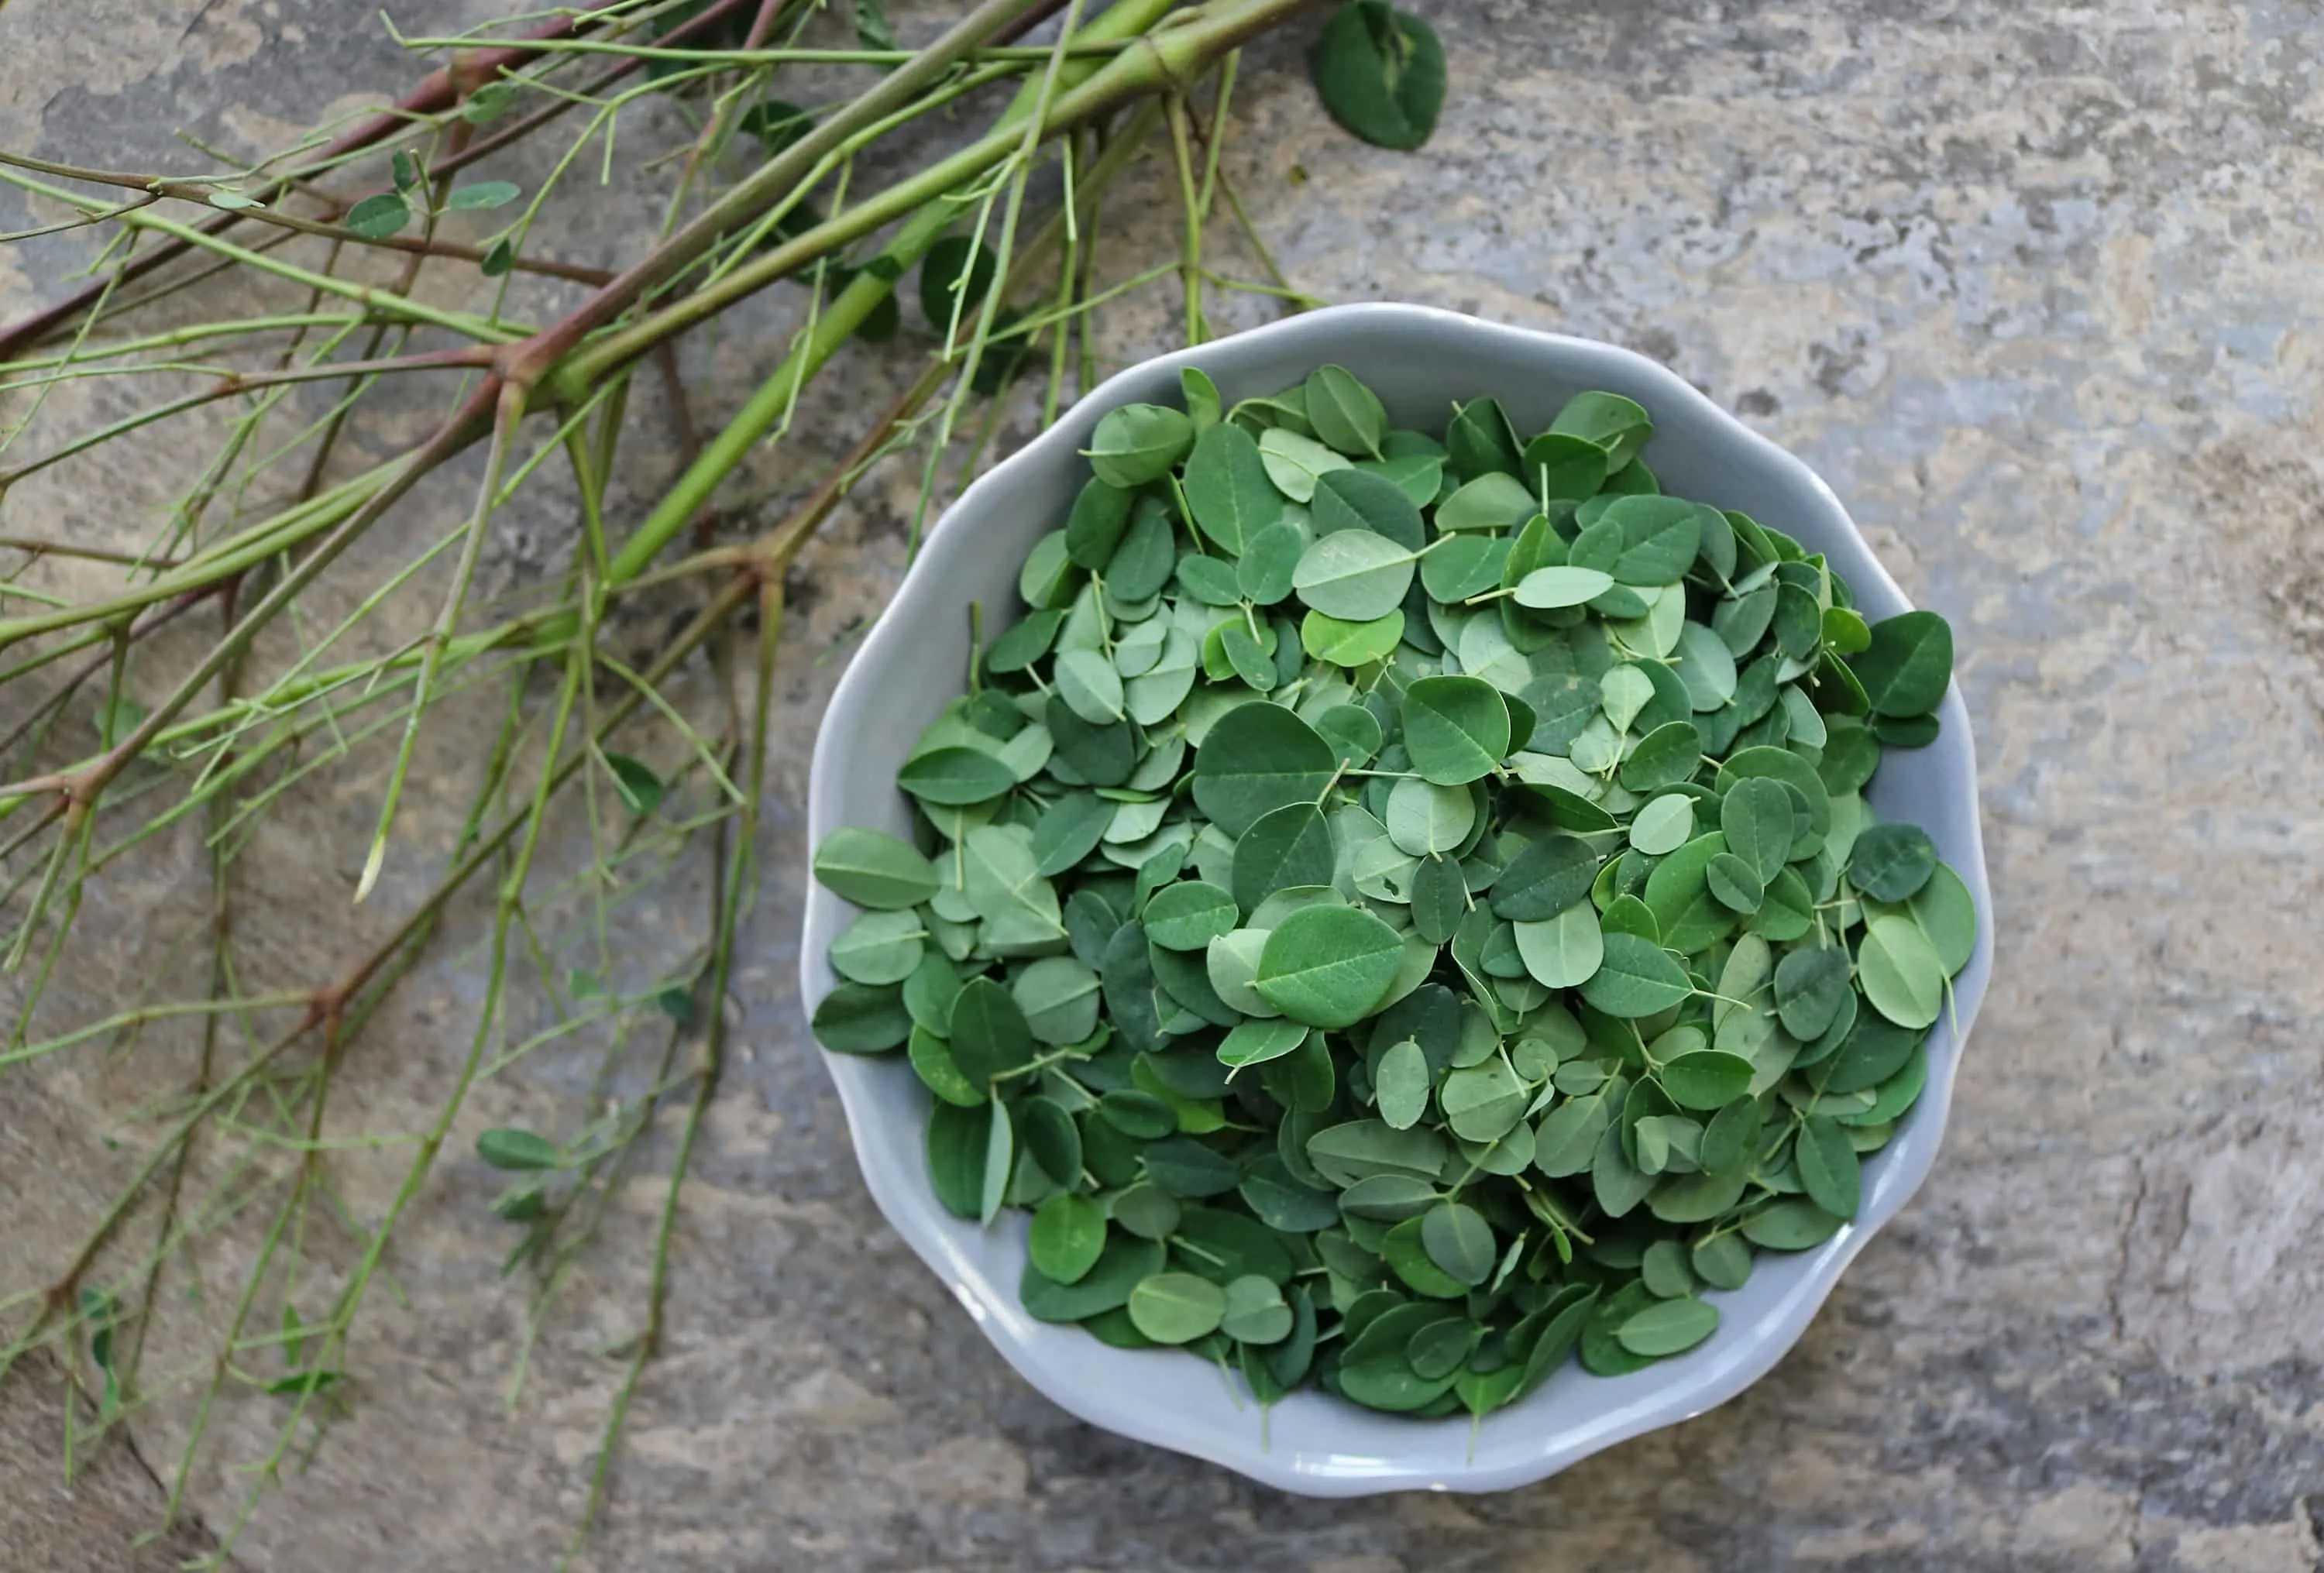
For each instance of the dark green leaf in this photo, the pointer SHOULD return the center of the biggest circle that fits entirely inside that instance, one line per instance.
(956, 277)
(1828, 1167)
(1636, 978)
(1460, 1242)
(856, 1018)
(1908, 664)
(988, 1035)
(1287, 846)
(1810, 984)
(1227, 488)
(1793, 1225)
(1094, 530)
(1892, 862)
(1067, 1237)
(872, 28)
(1257, 758)
(1456, 729)
(955, 776)
(1481, 441)
(1440, 899)
(1123, 1264)
(639, 788)
(1706, 1080)
(1380, 72)
(1664, 758)
(1344, 412)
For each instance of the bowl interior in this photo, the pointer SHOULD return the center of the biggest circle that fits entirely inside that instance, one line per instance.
(1419, 361)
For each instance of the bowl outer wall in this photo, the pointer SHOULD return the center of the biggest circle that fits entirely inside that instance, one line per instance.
(1419, 360)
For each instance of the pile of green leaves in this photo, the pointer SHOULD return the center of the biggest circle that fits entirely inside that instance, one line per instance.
(1400, 909)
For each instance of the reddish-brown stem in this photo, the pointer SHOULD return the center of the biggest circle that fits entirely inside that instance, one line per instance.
(233, 384)
(525, 364)
(438, 91)
(82, 787)
(517, 131)
(435, 246)
(40, 547)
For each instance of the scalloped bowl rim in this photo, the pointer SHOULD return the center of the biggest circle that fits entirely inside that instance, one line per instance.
(1313, 1443)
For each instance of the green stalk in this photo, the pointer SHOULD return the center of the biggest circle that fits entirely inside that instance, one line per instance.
(847, 310)
(773, 181)
(292, 526)
(1172, 59)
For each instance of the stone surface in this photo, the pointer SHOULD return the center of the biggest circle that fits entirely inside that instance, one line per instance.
(2033, 286)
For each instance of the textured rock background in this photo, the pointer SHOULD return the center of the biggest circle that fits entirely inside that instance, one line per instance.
(2035, 286)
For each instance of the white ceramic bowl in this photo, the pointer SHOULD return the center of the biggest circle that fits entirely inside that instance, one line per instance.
(1419, 360)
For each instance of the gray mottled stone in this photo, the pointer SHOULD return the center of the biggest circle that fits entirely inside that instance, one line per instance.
(2035, 286)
